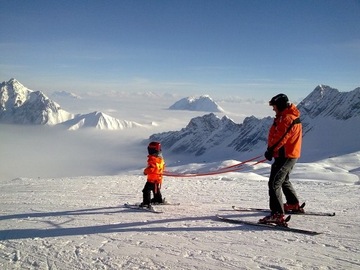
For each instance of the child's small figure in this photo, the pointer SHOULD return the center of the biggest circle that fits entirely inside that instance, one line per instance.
(154, 171)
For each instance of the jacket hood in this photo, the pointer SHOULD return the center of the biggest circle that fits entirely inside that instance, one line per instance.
(292, 109)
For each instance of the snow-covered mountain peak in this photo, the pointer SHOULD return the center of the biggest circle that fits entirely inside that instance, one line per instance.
(20, 105)
(322, 91)
(202, 97)
(98, 120)
(330, 102)
(15, 84)
(13, 93)
(209, 122)
(197, 103)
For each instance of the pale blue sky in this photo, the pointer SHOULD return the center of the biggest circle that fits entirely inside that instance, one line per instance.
(222, 48)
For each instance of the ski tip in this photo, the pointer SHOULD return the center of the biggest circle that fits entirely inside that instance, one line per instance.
(287, 219)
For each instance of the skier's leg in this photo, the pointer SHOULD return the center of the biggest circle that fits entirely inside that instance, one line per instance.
(147, 193)
(279, 171)
(287, 187)
(273, 201)
(157, 194)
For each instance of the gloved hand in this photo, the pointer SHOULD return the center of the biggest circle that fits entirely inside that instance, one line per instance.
(268, 154)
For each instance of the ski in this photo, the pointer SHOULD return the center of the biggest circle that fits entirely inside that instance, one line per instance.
(137, 207)
(165, 203)
(268, 226)
(312, 213)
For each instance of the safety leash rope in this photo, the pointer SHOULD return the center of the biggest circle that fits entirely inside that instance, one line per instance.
(232, 168)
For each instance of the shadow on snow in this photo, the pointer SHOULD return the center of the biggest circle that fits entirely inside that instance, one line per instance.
(144, 226)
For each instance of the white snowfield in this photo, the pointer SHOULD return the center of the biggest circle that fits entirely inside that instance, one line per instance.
(80, 222)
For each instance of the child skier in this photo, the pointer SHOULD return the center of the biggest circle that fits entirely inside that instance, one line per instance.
(154, 171)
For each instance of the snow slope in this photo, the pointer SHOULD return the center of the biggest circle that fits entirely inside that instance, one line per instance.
(80, 223)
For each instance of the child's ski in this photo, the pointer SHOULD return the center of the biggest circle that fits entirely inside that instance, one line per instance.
(138, 207)
(165, 203)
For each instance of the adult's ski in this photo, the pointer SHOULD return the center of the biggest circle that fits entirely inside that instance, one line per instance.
(138, 207)
(267, 226)
(312, 213)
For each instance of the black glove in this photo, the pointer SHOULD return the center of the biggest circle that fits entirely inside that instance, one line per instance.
(268, 155)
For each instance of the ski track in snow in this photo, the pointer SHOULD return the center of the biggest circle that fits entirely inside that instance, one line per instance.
(80, 223)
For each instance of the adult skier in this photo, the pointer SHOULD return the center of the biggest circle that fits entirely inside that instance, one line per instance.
(284, 145)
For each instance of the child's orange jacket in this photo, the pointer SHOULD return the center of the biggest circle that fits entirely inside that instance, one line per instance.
(155, 169)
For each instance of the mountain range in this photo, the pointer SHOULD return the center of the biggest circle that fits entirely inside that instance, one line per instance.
(331, 119)
(20, 105)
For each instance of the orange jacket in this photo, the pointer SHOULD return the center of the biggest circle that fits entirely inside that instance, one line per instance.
(290, 145)
(155, 168)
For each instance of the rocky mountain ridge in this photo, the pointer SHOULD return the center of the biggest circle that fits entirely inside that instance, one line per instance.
(210, 134)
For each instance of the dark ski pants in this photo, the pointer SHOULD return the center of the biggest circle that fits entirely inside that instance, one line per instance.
(279, 182)
(155, 189)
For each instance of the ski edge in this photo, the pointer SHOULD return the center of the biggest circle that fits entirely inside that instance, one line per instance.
(268, 226)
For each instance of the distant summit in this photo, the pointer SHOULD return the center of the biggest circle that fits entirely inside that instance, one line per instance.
(98, 120)
(20, 105)
(64, 94)
(202, 103)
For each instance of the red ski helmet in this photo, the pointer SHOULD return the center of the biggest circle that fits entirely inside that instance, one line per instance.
(154, 147)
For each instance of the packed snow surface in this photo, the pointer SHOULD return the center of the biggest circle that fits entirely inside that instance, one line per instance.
(81, 223)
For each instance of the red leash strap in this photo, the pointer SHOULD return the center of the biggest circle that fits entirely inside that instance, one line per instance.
(232, 168)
